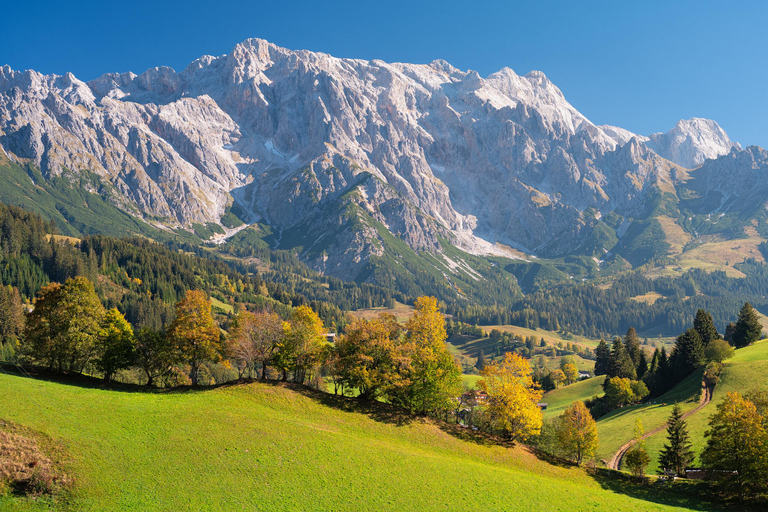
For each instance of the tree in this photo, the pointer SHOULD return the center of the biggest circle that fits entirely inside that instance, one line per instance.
(632, 346)
(194, 333)
(705, 326)
(481, 362)
(688, 353)
(62, 329)
(748, 327)
(253, 340)
(642, 366)
(155, 353)
(677, 452)
(577, 433)
(737, 446)
(570, 372)
(11, 316)
(718, 351)
(432, 378)
(637, 457)
(369, 354)
(620, 364)
(512, 397)
(602, 358)
(730, 332)
(115, 344)
(557, 377)
(302, 344)
(618, 392)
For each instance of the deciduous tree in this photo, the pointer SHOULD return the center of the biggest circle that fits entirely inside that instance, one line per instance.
(155, 354)
(254, 339)
(431, 378)
(369, 355)
(115, 344)
(512, 397)
(194, 333)
(737, 446)
(577, 433)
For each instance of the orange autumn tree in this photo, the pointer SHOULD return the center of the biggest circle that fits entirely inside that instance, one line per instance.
(512, 397)
(195, 334)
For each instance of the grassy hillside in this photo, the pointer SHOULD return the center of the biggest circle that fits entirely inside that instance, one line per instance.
(269, 447)
(558, 400)
(747, 370)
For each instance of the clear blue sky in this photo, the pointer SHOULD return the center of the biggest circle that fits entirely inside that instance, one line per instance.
(638, 65)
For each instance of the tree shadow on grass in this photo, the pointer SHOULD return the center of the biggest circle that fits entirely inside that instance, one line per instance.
(377, 411)
(693, 495)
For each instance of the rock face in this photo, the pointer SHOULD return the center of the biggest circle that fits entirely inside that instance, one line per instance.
(305, 140)
(691, 142)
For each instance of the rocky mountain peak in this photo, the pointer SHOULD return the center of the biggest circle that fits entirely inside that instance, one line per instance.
(691, 142)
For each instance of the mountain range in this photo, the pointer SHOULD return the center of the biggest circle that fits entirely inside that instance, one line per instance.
(344, 161)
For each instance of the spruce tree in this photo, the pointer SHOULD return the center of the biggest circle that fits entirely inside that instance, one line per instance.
(632, 345)
(705, 326)
(620, 364)
(748, 327)
(481, 362)
(642, 366)
(602, 358)
(677, 453)
(688, 353)
(730, 331)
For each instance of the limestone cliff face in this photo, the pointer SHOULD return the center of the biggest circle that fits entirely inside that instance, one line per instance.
(298, 138)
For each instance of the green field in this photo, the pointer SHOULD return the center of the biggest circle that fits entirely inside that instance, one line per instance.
(558, 400)
(271, 447)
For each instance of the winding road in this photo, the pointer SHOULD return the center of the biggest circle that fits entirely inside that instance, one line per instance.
(706, 396)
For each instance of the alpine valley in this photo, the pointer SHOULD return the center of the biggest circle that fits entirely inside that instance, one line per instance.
(410, 177)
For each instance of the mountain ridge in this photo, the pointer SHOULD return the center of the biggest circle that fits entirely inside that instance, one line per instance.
(300, 138)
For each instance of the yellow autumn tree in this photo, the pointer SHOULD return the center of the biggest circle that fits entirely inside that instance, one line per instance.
(512, 397)
(577, 433)
(368, 355)
(571, 373)
(301, 346)
(429, 377)
(194, 333)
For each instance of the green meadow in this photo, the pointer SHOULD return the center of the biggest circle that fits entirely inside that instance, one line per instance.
(559, 399)
(273, 447)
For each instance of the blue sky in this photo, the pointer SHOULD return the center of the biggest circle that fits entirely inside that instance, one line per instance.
(638, 65)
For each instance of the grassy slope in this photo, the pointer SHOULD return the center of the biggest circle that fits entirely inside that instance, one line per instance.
(558, 400)
(618, 427)
(266, 447)
(745, 371)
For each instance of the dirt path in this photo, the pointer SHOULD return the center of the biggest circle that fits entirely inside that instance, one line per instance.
(706, 396)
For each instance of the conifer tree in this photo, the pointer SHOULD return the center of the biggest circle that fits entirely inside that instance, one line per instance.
(621, 364)
(688, 353)
(481, 362)
(602, 358)
(748, 327)
(642, 365)
(632, 345)
(705, 326)
(677, 453)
